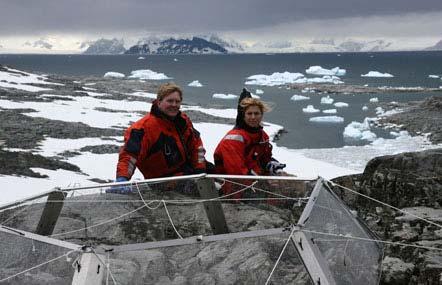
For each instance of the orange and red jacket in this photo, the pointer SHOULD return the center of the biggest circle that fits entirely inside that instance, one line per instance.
(160, 146)
(243, 152)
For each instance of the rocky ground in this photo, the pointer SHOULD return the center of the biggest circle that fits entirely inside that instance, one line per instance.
(18, 131)
(357, 89)
(418, 118)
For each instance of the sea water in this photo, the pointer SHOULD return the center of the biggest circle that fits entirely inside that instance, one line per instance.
(227, 74)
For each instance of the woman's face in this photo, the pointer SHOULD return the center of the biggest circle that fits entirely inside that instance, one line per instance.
(170, 105)
(253, 116)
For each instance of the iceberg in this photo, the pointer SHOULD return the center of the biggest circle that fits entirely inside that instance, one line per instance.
(359, 131)
(341, 104)
(318, 70)
(224, 96)
(275, 79)
(195, 83)
(299, 98)
(310, 109)
(376, 74)
(141, 57)
(330, 111)
(112, 74)
(433, 76)
(327, 100)
(364, 108)
(327, 119)
(147, 74)
(259, 91)
(374, 100)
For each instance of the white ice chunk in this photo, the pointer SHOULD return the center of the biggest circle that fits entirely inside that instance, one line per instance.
(113, 74)
(318, 70)
(308, 90)
(330, 111)
(141, 57)
(327, 100)
(275, 79)
(195, 83)
(364, 108)
(379, 111)
(224, 96)
(325, 79)
(299, 98)
(376, 74)
(259, 91)
(359, 131)
(310, 109)
(341, 104)
(327, 119)
(147, 74)
(374, 100)
(433, 76)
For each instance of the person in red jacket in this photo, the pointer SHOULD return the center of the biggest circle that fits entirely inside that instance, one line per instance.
(162, 143)
(246, 150)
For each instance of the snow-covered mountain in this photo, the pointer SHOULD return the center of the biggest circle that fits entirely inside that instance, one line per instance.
(104, 46)
(437, 46)
(195, 45)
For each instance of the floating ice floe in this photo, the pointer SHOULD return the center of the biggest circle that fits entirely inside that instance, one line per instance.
(224, 96)
(379, 111)
(275, 79)
(329, 111)
(327, 100)
(374, 100)
(341, 104)
(310, 109)
(359, 131)
(399, 134)
(325, 79)
(299, 98)
(376, 74)
(175, 59)
(147, 74)
(308, 90)
(195, 83)
(364, 108)
(327, 119)
(255, 96)
(259, 91)
(318, 70)
(141, 57)
(433, 76)
(113, 74)
(89, 88)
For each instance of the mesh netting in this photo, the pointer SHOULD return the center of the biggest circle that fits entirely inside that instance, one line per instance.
(18, 254)
(351, 261)
(239, 261)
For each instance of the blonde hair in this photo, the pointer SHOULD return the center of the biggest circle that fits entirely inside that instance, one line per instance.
(248, 102)
(168, 88)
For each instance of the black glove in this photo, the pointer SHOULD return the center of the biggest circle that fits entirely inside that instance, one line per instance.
(274, 166)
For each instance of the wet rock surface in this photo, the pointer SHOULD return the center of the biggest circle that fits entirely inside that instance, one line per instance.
(419, 117)
(411, 182)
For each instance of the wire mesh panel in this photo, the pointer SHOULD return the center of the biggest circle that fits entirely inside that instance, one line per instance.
(236, 261)
(335, 231)
(19, 254)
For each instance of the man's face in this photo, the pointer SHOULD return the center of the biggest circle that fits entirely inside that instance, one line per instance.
(253, 116)
(170, 105)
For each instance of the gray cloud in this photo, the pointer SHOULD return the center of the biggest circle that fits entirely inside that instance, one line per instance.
(23, 17)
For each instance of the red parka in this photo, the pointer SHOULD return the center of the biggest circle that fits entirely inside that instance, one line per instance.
(160, 146)
(243, 152)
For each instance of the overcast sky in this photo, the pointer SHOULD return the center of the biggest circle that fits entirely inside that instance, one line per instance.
(240, 18)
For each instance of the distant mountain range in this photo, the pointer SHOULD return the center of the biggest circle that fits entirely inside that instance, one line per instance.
(213, 44)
